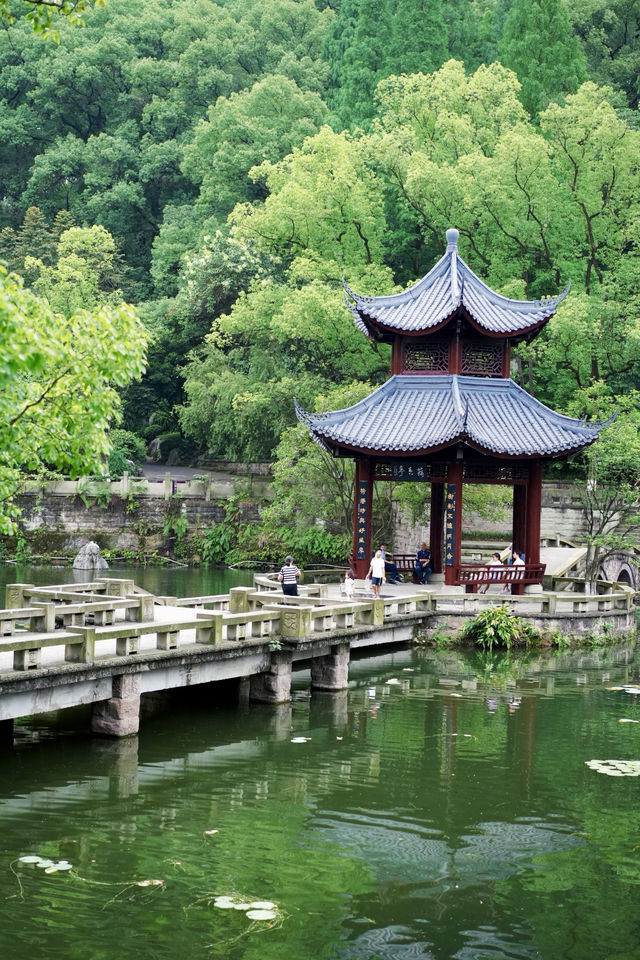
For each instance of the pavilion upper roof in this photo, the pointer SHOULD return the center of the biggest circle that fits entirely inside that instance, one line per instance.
(451, 284)
(413, 414)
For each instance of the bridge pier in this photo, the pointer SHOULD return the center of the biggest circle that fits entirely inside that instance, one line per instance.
(6, 732)
(330, 709)
(120, 715)
(274, 686)
(331, 671)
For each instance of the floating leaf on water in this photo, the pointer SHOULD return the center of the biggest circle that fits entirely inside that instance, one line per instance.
(300, 739)
(210, 833)
(339, 738)
(407, 669)
(149, 883)
(242, 906)
(616, 768)
(53, 869)
(626, 720)
(262, 905)
(631, 688)
(261, 914)
(31, 858)
(614, 688)
(44, 864)
(223, 900)
(393, 680)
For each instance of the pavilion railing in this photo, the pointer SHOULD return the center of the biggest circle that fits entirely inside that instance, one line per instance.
(473, 575)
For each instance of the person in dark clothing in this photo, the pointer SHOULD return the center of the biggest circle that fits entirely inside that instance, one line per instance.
(390, 567)
(422, 564)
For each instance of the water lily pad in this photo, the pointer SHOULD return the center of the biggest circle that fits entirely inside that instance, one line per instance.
(210, 833)
(631, 688)
(392, 682)
(63, 865)
(626, 720)
(300, 739)
(242, 906)
(261, 914)
(616, 768)
(223, 903)
(31, 858)
(262, 905)
(44, 864)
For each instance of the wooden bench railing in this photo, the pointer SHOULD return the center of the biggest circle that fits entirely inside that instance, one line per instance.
(473, 575)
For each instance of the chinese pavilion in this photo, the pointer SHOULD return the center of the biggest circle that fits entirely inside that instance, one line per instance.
(450, 413)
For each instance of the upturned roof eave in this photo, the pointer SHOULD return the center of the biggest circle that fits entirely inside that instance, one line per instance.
(339, 448)
(378, 330)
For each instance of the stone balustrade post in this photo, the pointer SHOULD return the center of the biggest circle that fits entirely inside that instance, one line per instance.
(295, 622)
(120, 715)
(14, 595)
(239, 599)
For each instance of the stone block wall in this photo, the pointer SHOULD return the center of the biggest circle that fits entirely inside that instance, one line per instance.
(66, 523)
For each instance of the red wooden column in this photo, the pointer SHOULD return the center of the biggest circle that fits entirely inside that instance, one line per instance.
(363, 498)
(534, 507)
(435, 526)
(453, 521)
(519, 520)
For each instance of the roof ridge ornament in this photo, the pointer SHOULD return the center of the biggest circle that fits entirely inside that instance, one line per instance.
(452, 239)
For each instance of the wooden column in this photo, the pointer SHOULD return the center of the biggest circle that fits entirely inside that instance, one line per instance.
(534, 507)
(435, 526)
(363, 498)
(453, 521)
(519, 520)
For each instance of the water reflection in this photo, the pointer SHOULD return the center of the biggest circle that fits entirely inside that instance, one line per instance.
(442, 807)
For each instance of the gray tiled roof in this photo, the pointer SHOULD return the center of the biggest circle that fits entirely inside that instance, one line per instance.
(415, 413)
(449, 285)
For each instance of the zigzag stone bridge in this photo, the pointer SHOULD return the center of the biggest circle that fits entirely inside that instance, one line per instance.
(107, 643)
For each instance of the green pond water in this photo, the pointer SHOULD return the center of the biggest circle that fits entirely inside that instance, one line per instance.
(441, 808)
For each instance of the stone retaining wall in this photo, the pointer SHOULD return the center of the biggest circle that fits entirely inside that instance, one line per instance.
(65, 523)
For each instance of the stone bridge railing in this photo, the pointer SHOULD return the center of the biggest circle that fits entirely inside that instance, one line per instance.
(106, 643)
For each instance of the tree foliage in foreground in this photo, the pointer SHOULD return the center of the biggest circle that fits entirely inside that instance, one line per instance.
(59, 382)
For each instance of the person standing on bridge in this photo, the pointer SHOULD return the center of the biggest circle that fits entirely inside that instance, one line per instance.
(377, 572)
(288, 577)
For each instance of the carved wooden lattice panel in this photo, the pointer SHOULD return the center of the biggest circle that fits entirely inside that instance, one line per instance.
(426, 357)
(482, 359)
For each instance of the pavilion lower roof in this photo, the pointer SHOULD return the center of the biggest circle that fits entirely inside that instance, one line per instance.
(418, 414)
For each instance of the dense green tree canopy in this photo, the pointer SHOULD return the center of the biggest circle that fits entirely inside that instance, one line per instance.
(224, 164)
(538, 44)
(59, 382)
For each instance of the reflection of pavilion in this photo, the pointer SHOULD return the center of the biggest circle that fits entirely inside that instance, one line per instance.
(449, 414)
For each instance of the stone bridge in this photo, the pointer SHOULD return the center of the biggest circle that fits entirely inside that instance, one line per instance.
(107, 643)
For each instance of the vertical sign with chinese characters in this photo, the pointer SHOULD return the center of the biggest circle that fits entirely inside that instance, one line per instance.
(450, 526)
(361, 528)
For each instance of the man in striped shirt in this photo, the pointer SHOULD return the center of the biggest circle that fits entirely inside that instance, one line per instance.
(288, 577)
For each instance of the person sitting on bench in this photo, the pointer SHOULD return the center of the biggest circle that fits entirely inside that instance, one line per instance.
(494, 562)
(390, 567)
(422, 564)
